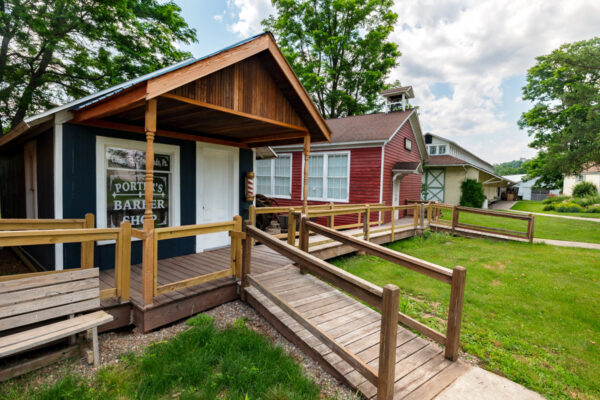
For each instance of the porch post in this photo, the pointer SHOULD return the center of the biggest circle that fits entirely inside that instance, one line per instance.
(148, 251)
(305, 187)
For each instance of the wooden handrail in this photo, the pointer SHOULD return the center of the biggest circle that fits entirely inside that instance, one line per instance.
(435, 271)
(455, 277)
(52, 236)
(386, 299)
(494, 213)
(364, 369)
(234, 227)
(358, 287)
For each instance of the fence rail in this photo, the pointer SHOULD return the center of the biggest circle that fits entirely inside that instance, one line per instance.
(150, 286)
(85, 236)
(368, 227)
(454, 277)
(385, 299)
(434, 215)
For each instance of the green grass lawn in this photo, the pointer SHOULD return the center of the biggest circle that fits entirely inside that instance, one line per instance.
(538, 207)
(544, 227)
(202, 362)
(531, 312)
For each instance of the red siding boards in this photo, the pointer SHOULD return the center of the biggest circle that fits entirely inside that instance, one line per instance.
(394, 151)
(365, 175)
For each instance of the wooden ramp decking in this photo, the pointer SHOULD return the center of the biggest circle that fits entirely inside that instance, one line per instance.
(421, 371)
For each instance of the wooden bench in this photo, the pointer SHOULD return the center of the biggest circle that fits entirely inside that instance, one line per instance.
(35, 299)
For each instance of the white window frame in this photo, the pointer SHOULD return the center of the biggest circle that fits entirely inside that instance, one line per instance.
(434, 147)
(439, 149)
(272, 175)
(102, 142)
(326, 155)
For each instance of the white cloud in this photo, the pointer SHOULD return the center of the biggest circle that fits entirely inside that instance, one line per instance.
(474, 46)
(218, 17)
(248, 15)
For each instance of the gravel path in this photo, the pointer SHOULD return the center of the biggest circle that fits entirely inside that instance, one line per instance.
(114, 344)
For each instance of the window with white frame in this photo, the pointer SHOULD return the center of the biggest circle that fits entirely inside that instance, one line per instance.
(432, 150)
(121, 170)
(274, 177)
(329, 176)
(442, 149)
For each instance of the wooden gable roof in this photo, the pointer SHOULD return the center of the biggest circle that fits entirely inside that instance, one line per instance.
(245, 96)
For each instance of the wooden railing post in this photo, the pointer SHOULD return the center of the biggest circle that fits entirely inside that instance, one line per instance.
(367, 224)
(422, 215)
(246, 259)
(87, 248)
(455, 212)
(387, 342)
(125, 267)
(393, 222)
(148, 267)
(457, 294)
(331, 217)
(236, 247)
(304, 237)
(291, 227)
(416, 215)
(530, 227)
(252, 217)
(429, 214)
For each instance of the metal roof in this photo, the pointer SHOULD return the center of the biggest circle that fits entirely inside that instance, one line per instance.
(102, 94)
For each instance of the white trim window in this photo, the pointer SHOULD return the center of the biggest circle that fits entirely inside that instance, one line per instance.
(274, 176)
(329, 176)
(120, 183)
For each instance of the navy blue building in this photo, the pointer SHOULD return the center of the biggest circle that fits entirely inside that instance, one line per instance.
(88, 156)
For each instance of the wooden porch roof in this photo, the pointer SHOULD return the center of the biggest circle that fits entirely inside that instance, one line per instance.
(244, 96)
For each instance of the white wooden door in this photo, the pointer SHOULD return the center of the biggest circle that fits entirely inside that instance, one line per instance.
(396, 191)
(217, 191)
(435, 180)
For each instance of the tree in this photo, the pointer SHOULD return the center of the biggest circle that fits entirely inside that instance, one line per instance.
(53, 51)
(514, 167)
(565, 119)
(471, 193)
(339, 49)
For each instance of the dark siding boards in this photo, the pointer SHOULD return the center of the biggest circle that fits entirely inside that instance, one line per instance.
(79, 191)
(246, 165)
(12, 183)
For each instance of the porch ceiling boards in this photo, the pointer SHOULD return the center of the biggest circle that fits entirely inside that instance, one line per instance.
(176, 114)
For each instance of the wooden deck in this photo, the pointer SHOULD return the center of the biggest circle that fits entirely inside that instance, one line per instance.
(180, 304)
(421, 370)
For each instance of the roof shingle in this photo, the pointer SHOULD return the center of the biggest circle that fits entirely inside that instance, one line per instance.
(380, 126)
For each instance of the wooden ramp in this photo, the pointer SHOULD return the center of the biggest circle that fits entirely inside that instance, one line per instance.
(421, 370)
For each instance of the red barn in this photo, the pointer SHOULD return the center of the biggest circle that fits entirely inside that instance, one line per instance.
(374, 158)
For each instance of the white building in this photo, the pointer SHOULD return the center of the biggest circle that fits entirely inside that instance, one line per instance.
(526, 190)
(591, 174)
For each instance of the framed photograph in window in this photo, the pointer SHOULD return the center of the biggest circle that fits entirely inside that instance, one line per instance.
(408, 144)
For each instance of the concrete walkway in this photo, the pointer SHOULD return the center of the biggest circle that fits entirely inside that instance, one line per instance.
(507, 205)
(566, 243)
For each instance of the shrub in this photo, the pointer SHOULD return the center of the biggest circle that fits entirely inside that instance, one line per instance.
(593, 209)
(583, 189)
(569, 207)
(548, 207)
(471, 193)
(554, 199)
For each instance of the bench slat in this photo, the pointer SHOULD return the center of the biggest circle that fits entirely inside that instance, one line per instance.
(35, 337)
(52, 290)
(47, 303)
(21, 320)
(45, 280)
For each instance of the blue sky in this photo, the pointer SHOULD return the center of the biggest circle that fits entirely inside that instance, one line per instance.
(466, 59)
